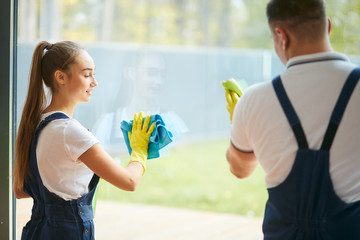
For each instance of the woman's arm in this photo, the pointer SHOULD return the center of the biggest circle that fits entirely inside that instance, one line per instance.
(101, 163)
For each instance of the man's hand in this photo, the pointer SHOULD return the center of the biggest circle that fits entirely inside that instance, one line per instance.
(231, 98)
(232, 94)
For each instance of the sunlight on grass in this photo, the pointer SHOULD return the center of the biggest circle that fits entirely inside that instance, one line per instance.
(195, 176)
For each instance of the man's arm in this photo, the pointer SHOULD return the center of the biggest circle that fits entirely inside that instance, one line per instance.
(242, 164)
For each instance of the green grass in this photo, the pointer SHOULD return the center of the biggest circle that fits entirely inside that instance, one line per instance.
(195, 176)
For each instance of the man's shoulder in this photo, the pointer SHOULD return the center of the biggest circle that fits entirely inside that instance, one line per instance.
(257, 97)
(259, 89)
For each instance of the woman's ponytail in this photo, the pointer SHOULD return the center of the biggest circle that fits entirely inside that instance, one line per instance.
(47, 59)
(34, 105)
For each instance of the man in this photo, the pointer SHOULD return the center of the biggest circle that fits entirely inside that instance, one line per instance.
(311, 162)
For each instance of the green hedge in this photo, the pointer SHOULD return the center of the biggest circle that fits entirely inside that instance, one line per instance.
(195, 176)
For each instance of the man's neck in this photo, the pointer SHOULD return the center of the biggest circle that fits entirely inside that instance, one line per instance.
(309, 48)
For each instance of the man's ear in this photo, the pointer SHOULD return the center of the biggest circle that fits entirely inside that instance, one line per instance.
(282, 36)
(329, 26)
(60, 77)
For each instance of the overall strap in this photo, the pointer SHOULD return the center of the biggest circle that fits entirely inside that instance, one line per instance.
(34, 179)
(340, 107)
(43, 123)
(290, 113)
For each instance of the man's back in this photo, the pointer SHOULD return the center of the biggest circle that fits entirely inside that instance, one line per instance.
(313, 88)
(311, 200)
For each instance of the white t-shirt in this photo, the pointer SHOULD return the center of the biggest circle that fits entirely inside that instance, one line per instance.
(313, 84)
(59, 146)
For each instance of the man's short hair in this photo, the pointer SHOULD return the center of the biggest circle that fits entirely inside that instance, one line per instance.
(306, 19)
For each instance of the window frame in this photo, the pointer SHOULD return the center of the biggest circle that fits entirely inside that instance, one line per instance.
(8, 41)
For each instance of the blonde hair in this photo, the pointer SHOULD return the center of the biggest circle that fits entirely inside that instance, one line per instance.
(47, 58)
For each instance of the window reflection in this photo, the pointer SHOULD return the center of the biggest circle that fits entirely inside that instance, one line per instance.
(169, 57)
(141, 87)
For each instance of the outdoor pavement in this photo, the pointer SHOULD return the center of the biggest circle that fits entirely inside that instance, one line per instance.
(117, 220)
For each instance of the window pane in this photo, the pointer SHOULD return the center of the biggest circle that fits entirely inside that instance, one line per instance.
(169, 57)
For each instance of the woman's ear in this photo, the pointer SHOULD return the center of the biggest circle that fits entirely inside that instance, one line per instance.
(60, 77)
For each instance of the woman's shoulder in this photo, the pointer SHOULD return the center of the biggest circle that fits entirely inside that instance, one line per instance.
(65, 126)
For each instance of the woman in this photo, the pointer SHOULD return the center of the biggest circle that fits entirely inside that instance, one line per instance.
(57, 161)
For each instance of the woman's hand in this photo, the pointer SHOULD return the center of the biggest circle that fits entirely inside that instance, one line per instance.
(139, 139)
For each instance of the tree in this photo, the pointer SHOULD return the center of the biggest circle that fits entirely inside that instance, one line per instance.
(224, 36)
(107, 20)
(27, 20)
(344, 15)
(225, 23)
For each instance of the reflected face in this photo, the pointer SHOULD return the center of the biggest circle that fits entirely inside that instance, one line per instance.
(81, 80)
(150, 75)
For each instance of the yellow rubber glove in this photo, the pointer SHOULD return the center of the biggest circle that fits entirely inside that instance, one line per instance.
(232, 85)
(139, 139)
(231, 98)
(232, 94)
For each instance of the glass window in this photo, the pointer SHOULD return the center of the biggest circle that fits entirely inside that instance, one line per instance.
(169, 57)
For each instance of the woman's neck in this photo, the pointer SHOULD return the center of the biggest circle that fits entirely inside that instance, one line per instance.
(59, 106)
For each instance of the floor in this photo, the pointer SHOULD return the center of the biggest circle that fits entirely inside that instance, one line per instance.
(116, 220)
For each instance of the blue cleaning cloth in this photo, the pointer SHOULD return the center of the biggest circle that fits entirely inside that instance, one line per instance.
(159, 138)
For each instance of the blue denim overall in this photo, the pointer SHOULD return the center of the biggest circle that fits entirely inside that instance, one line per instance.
(305, 205)
(53, 217)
